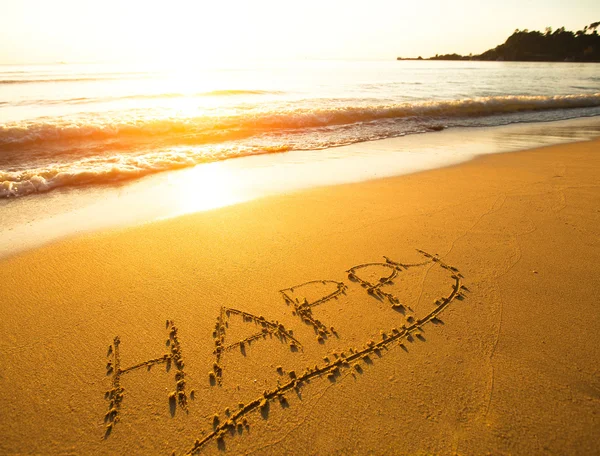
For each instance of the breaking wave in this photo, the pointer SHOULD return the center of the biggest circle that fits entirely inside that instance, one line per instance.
(254, 121)
(37, 156)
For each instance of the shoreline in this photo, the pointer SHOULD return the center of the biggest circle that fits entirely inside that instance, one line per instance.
(37, 220)
(506, 367)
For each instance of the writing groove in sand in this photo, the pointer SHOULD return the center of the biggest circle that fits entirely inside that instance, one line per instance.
(375, 278)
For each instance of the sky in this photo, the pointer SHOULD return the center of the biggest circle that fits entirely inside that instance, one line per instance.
(47, 31)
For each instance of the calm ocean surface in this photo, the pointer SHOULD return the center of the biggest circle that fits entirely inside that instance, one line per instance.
(70, 125)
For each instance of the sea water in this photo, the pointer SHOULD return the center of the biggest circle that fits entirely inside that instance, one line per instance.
(67, 125)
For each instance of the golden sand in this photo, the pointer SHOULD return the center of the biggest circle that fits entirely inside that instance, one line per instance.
(453, 311)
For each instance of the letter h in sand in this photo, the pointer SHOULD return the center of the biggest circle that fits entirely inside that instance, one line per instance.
(113, 367)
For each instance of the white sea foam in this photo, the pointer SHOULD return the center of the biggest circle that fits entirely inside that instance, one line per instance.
(253, 121)
(64, 125)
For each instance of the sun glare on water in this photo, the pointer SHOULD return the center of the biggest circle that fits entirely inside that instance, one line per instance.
(208, 186)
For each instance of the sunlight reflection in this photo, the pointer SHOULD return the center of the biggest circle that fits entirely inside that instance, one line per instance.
(208, 186)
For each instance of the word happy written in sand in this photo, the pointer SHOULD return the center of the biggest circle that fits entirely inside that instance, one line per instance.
(332, 368)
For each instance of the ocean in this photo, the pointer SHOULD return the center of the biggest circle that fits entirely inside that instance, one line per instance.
(74, 125)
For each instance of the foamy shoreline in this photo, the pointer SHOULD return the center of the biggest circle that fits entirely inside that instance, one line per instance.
(71, 125)
(29, 222)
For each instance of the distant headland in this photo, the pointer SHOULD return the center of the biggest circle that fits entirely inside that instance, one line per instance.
(525, 46)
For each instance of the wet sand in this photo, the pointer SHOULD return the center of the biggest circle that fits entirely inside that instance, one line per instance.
(452, 311)
(27, 223)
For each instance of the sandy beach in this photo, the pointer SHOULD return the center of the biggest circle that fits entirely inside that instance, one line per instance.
(452, 311)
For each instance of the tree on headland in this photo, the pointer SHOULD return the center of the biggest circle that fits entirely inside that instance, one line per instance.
(559, 45)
